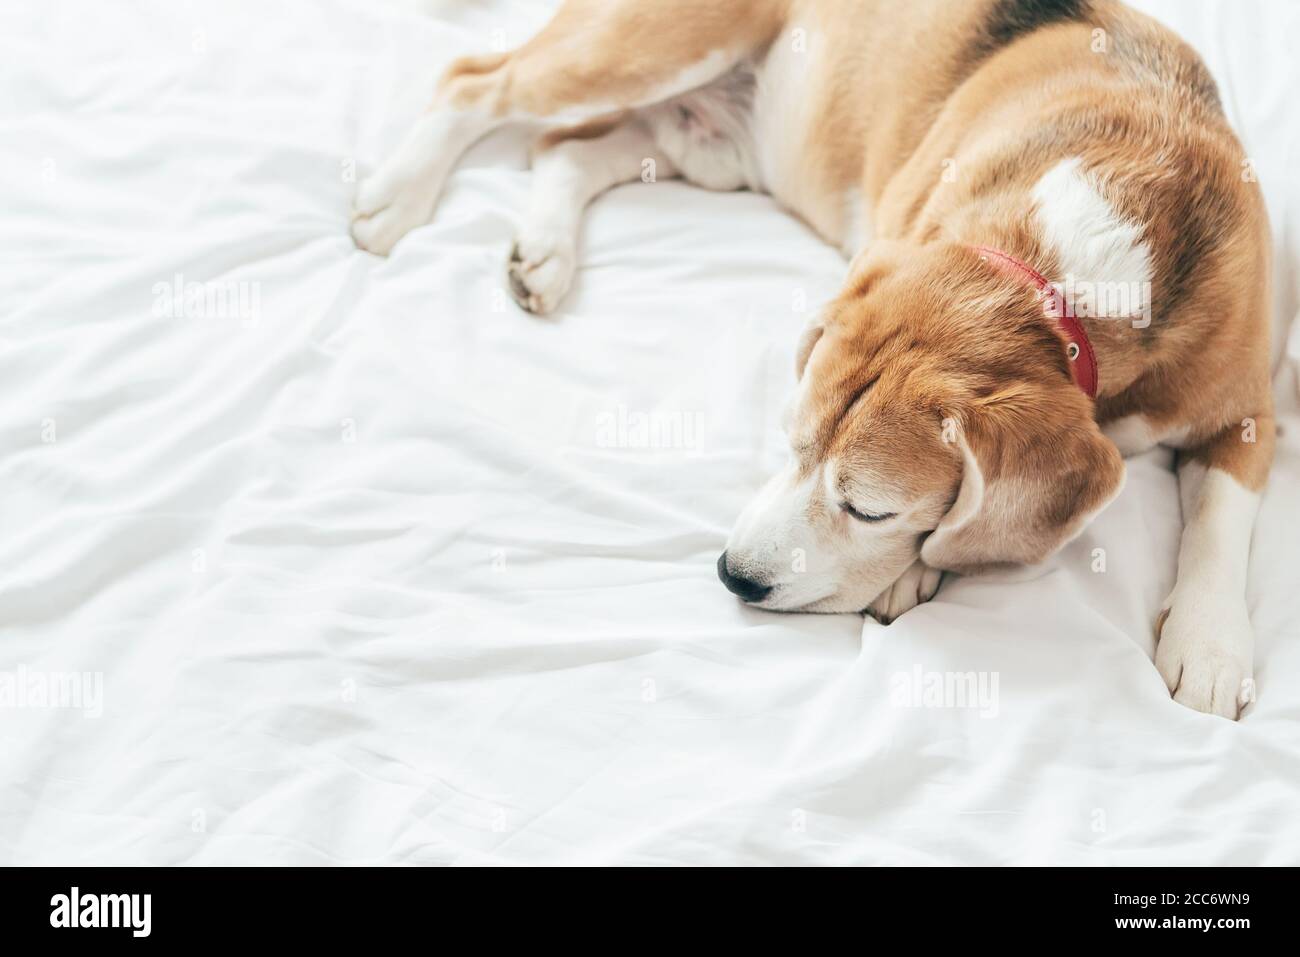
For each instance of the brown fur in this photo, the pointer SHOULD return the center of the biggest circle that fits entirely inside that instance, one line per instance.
(998, 92)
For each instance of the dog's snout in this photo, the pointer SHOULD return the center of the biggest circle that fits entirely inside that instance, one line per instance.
(745, 589)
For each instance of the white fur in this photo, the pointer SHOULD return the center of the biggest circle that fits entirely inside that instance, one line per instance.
(780, 109)
(695, 76)
(565, 179)
(771, 540)
(794, 537)
(699, 73)
(691, 77)
(1093, 244)
(747, 127)
(1206, 649)
(402, 193)
(1134, 434)
(706, 132)
(781, 127)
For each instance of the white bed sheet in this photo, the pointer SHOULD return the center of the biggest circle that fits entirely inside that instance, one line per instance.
(381, 576)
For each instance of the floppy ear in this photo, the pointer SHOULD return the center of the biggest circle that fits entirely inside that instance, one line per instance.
(1034, 473)
(807, 342)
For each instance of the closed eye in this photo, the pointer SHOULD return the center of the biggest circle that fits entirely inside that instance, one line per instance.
(866, 516)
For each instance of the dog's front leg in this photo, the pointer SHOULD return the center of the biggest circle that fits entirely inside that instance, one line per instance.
(1206, 647)
(570, 169)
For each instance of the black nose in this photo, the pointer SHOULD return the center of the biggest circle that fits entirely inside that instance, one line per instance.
(744, 588)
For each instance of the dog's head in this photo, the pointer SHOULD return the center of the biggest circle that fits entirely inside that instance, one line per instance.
(935, 418)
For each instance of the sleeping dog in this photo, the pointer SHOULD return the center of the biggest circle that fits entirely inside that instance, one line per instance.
(1057, 256)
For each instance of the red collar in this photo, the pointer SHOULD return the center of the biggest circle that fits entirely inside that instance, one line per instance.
(1078, 349)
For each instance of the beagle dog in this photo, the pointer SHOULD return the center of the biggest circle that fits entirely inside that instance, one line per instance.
(1058, 256)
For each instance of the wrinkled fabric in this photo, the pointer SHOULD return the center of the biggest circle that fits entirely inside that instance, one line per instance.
(373, 567)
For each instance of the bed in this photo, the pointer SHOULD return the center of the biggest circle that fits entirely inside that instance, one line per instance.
(311, 557)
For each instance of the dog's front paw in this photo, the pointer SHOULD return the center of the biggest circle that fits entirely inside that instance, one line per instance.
(386, 209)
(1205, 654)
(540, 269)
(916, 585)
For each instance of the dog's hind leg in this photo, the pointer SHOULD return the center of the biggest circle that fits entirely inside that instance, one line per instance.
(401, 194)
(595, 58)
(1206, 646)
(571, 167)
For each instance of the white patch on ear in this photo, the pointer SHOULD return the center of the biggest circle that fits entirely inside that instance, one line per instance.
(1105, 265)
